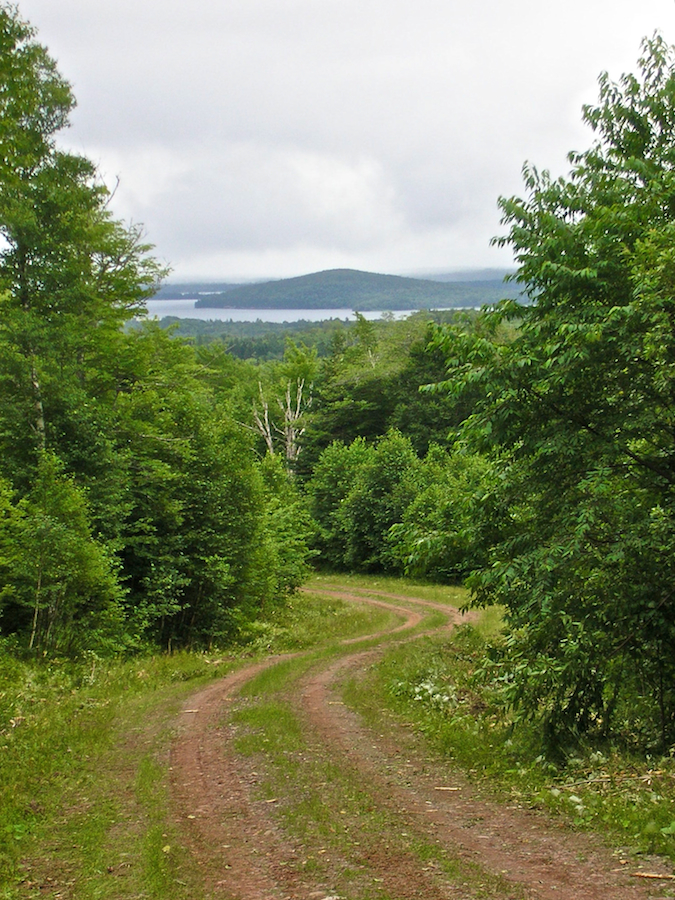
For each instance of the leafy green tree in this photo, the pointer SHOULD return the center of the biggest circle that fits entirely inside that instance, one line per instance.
(193, 503)
(382, 491)
(147, 466)
(332, 481)
(284, 552)
(59, 588)
(356, 393)
(577, 411)
(427, 417)
(70, 275)
(370, 383)
(437, 536)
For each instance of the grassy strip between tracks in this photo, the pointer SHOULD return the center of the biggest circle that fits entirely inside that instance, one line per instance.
(341, 835)
(84, 807)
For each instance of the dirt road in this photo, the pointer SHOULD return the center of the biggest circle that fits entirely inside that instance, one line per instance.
(335, 808)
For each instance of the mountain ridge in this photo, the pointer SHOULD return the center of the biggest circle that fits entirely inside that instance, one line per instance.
(351, 289)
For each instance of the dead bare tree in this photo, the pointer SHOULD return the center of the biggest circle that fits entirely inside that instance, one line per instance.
(262, 422)
(292, 409)
(294, 404)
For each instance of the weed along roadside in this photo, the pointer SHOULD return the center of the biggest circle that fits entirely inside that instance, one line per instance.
(345, 751)
(331, 773)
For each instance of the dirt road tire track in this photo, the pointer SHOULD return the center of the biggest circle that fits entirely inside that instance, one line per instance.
(244, 856)
(235, 844)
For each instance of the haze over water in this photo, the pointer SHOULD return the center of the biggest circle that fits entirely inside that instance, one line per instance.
(185, 309)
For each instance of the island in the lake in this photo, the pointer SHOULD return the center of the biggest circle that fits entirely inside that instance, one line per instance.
(350, 289)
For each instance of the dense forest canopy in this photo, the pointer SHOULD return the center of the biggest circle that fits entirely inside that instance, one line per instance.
(261, 340)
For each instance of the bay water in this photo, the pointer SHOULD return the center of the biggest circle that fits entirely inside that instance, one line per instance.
(185, 309)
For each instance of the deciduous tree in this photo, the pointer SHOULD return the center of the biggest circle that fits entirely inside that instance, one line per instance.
(578, 412)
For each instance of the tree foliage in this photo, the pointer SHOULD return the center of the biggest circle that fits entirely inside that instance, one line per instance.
(131, 507)
(577, 411)
(58, 584)
(357, 493)
(439, 536)
(369, 384)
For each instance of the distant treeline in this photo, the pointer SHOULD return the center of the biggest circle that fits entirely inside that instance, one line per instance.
(267, 340)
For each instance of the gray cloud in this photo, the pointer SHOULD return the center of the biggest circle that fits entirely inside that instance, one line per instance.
(264, 137)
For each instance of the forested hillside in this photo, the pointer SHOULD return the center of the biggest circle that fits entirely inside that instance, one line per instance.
(351, 289)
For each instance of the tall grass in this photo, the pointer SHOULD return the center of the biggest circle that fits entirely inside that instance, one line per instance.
(77, 743)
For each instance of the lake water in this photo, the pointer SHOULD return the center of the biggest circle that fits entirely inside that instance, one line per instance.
(185, 309)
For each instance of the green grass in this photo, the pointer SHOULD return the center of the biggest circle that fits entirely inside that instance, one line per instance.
(310, 620)
(83, 792)
(430, 684)
(84, 758)
(276, 678)
(449, 595)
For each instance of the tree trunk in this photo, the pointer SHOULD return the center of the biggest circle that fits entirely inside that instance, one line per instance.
(36, 611)
(263, 425)
(38, 406)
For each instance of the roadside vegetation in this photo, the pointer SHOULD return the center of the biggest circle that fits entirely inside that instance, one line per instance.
(83, 779)
(84, 744)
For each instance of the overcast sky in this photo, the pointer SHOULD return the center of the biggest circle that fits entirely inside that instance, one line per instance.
(270, 138)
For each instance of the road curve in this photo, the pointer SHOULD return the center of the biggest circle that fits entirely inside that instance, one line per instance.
(243, 853)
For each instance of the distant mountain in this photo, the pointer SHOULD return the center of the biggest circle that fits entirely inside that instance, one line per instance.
(351, 289)
(466, 275)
